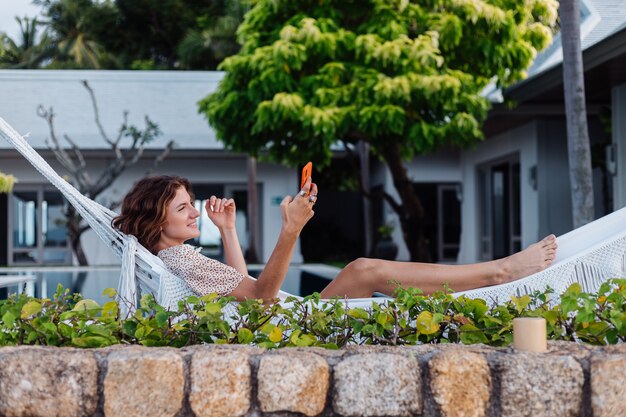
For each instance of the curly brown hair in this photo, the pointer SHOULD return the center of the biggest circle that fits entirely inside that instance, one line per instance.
(145, 206)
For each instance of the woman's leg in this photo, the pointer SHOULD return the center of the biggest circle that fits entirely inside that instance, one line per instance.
(363, 277)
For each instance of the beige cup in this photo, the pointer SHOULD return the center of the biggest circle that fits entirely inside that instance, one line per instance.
(530, 334)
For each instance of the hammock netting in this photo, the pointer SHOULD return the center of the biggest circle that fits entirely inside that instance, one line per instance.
(588, 255)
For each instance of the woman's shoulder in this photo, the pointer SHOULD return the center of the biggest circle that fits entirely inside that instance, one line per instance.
(177, 250)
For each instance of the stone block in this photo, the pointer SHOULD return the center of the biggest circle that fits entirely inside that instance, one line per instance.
(377, 384)
(144, 382)
(293, 381)
(608, 385)
(578, 351)
(36, 381)
(539, 385)
(460, 381)
(618, 349)
(220, 383)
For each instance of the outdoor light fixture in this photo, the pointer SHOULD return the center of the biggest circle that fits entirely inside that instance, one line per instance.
(532, 177)
(611, 164)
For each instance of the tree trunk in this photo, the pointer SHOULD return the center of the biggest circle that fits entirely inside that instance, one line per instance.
(411, 211)
(364, 157)
(74, 231)
(253, 211)
(581, 176)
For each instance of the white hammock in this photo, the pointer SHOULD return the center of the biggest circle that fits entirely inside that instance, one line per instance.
(588, 255)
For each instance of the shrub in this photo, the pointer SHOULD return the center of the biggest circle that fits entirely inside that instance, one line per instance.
(410, 318)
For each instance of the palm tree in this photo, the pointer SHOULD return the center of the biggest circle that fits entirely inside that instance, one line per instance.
(71, 24)
(26, 52)
(581, 178)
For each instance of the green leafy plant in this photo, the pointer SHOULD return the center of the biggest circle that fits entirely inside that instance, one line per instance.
(6, 183)
(404, 76)
(408, 319)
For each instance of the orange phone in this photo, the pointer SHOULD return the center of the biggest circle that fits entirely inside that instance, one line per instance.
(306, 173)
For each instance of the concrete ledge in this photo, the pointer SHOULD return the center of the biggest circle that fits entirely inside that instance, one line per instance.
(444, 380)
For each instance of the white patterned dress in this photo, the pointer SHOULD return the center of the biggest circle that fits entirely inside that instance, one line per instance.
(203, 275)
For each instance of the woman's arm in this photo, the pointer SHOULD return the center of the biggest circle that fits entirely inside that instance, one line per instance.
(222, 213)
(295, 212)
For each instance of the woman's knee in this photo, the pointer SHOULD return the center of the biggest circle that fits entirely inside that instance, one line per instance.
(366, 267)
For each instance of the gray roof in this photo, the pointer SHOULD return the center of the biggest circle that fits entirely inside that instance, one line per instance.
(168, 98)
(599, 20)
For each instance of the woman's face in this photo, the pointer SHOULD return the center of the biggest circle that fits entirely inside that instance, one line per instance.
(180, 220)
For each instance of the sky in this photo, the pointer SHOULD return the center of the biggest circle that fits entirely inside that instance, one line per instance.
(11, 8)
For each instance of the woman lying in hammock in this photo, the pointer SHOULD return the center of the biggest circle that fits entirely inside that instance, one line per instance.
(160, 212)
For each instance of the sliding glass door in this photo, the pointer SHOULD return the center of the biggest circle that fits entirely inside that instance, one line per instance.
(38, 232)
(500, 208)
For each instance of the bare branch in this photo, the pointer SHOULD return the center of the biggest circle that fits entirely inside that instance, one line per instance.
(113, 170)
(76, 150)
(123, 130)
(72, 158)
(161, 157)
(138, 154)
(96, 112)
(82, 166)
(62, 156)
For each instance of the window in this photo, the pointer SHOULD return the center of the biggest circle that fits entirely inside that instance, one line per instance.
(442, 219)
(38, 231)
(210, 239)
(449, 222)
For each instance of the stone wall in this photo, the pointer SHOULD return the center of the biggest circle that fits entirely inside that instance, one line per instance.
(206, 381)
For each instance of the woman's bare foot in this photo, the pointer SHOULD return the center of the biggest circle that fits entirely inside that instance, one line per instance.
(533, 259)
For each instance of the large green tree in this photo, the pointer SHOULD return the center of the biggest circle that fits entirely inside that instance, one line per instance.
(404, 76)
(141, 34)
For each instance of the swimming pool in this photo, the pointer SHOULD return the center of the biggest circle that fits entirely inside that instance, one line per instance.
(92, 281)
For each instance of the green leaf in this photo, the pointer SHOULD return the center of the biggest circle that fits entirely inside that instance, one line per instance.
(382, 318)
(66, 315)
(425, 323)
(110, 309)
(245, 336)
(91, 341)
(520, 303)
(140, 332)
(31, 337)
(130, 327)
(109, 292)
(358, 313)
(9, 319)
(303, 340)
(30, 309)
(162, 318)
(471, 334)
(86, 305)
(213, 308)
(276, 335)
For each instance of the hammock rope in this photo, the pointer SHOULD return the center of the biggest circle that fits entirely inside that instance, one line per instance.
(589, 255)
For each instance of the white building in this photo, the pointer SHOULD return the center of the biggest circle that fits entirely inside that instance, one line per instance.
(29, 216)
(514, 188)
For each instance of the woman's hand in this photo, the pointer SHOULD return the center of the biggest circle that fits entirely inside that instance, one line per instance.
(297, 211)
(222, 212)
